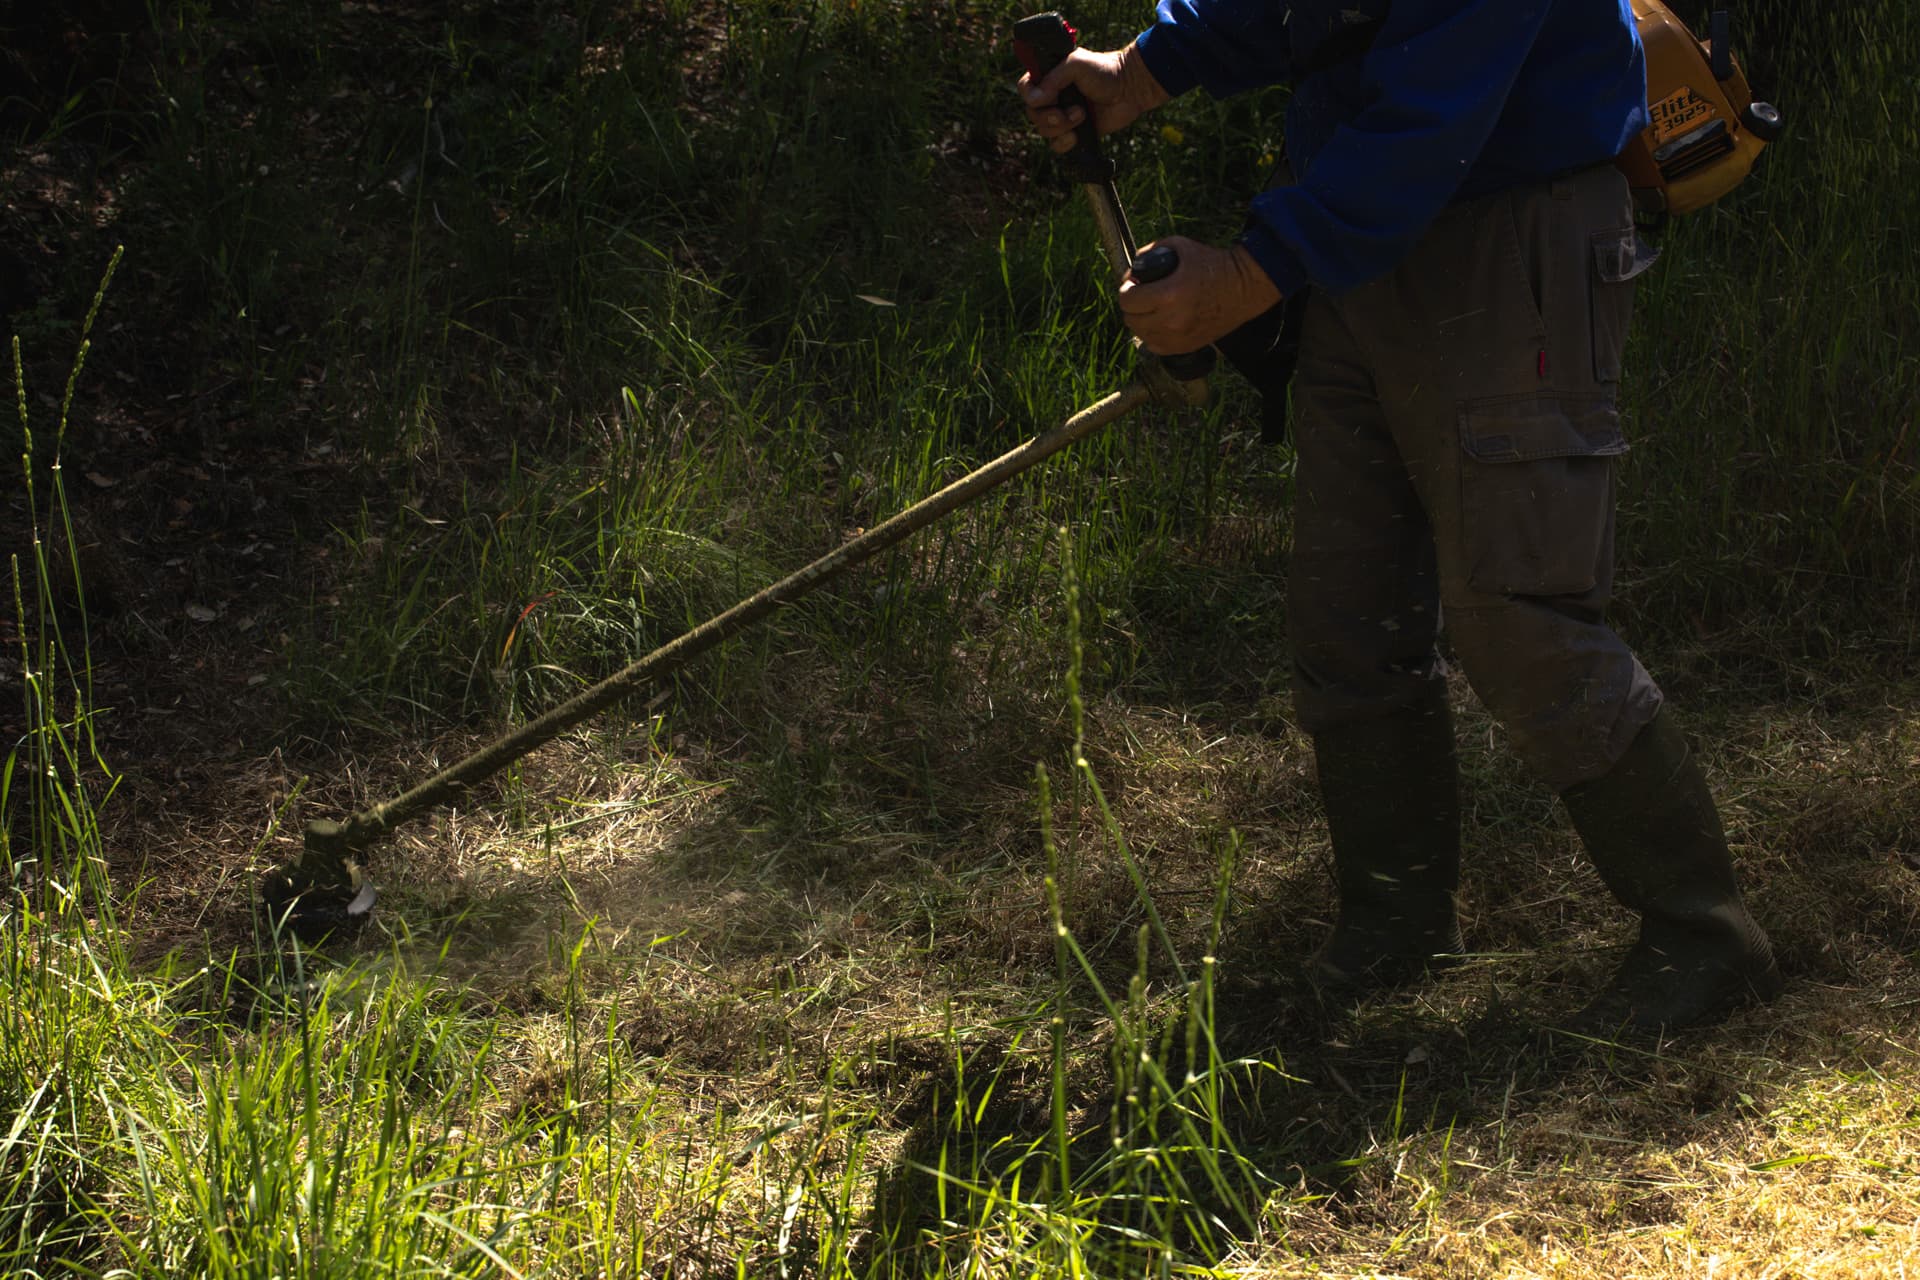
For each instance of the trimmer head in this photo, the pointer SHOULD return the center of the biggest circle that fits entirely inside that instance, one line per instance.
(326, 892)
(314, 911)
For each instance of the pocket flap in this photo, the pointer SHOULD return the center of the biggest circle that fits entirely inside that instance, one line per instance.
(1519, 430)
(1620, 255)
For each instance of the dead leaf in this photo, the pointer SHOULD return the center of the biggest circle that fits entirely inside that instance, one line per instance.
(100, 481)
(876, 301)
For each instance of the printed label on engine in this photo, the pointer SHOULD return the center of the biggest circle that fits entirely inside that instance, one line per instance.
(1674, 114)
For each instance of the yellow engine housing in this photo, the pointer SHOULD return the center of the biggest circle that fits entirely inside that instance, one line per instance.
(1701, 142)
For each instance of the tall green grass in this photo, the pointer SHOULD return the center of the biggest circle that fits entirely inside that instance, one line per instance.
(655, 266)
(60, 939)
(1775, 369)
(644, 262)
(231, 1118)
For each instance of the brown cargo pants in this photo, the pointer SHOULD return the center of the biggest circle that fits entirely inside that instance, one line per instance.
(1456, 435)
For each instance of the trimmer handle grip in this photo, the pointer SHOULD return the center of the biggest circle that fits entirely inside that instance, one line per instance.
(1157, 263)
(1042, 43)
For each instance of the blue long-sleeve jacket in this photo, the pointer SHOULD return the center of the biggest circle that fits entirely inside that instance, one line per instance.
(1454, 98)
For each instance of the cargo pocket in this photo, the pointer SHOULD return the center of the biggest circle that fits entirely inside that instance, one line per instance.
(1619, 254)
(1537, 493)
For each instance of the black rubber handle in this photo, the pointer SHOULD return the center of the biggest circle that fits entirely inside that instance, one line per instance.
(1720, 42)
(1157, 263)
(1042, 43)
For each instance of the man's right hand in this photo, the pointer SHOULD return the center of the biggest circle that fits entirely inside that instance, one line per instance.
(1117, 86)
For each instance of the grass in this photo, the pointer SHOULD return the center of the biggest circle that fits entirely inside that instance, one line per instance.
(523, 341)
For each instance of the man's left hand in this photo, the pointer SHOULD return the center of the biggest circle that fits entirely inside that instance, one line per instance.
(1213, 292)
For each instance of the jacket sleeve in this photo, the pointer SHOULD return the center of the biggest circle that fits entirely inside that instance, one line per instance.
(1434, 84)
(1222, 46)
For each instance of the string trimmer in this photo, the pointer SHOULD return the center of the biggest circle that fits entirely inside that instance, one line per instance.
(326, 888)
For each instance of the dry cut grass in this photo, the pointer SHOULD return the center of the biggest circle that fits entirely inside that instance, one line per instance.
(752, 967)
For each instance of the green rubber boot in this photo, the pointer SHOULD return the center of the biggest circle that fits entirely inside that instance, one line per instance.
(1391, 788)
(1654, 835)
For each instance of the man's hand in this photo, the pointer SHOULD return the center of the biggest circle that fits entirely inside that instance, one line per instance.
(1117, 86)
(1214, 292)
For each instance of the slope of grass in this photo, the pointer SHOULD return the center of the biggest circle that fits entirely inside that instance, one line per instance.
(574, 323)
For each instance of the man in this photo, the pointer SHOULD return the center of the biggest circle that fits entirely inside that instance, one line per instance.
(1470, 252)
